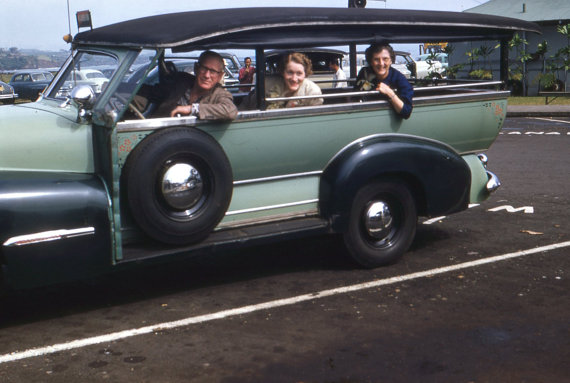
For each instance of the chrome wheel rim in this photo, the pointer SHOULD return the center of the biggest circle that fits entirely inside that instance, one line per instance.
(378, 221)
(182, 187)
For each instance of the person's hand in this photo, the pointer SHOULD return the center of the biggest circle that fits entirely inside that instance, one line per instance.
(386, 90)
(181, 109)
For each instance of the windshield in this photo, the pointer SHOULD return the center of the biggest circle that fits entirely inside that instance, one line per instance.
(83, 71)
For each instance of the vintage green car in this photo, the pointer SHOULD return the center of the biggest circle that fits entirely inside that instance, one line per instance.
(90, 183)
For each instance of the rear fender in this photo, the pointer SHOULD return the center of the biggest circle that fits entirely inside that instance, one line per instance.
(437, 176)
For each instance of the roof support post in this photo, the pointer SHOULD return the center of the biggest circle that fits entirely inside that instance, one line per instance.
(260, 77)
(352, 60)
(504, 63)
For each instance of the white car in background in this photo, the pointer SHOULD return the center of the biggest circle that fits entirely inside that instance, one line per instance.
(428, 64)
(92, 77)
(441, 57)
(87, 76)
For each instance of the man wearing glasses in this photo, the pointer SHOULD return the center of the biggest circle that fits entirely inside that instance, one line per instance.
(205, 97)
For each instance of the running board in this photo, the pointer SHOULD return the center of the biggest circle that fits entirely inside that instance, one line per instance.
(227, 239)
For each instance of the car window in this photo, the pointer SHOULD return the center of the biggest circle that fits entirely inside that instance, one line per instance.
(401, 60)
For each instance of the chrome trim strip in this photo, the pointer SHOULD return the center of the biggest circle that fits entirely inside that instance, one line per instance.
(263, 220)
(280, 177)
(351, 107)
(47, 236)
(262, 208)
(376, 92)
(454, 86)
(326, 95)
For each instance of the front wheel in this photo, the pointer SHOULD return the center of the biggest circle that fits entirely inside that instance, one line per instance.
(382, 223)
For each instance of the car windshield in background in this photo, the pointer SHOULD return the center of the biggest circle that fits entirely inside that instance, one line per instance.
(42, 76)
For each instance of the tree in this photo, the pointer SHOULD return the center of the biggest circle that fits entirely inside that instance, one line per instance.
(517, 75)
(451, 71)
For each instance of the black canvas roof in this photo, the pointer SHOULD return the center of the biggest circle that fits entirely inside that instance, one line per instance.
(297, 27)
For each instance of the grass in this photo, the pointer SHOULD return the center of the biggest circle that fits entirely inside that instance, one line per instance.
(538, 101)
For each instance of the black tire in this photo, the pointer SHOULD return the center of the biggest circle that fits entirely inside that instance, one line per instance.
(186, 212)
(381, 242)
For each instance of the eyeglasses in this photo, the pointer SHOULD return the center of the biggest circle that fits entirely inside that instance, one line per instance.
(204, 69)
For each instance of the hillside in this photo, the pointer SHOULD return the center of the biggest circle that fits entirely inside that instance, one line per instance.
(13, 59)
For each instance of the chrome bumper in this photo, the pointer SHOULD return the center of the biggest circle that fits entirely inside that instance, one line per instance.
(493, 183)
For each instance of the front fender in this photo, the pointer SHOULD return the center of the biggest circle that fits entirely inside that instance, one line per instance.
(437, 175)
(53, 227)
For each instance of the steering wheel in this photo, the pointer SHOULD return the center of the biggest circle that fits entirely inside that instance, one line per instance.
(132, 107)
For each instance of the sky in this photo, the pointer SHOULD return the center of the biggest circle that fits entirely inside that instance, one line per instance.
(41, 24)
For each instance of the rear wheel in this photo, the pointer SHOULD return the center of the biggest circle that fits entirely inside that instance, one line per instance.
(382, 223)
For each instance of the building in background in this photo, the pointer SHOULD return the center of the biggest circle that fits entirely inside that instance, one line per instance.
(481, 59)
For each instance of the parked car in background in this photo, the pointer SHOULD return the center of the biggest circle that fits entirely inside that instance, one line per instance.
(403, 65)
(7, 95)
(320, 59)
(92, 77)
(439, 57)
(30, 83)
(420, 69)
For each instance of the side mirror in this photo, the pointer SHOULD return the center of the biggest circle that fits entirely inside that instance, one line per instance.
(84, 96)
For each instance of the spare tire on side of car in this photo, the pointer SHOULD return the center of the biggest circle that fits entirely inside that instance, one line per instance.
(179, 185)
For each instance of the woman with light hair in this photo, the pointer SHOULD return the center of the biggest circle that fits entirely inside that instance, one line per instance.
(291, 81)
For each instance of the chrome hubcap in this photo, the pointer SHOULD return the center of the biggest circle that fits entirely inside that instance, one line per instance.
(378, 220)
(182, 186)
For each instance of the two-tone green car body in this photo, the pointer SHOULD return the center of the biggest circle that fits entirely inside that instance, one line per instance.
(89, 183)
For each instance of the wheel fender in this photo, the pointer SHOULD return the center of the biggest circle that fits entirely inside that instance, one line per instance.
(54, 227)
(438, 176)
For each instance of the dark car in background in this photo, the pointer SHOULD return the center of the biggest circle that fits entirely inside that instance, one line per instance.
(30, 83)
(7, 94)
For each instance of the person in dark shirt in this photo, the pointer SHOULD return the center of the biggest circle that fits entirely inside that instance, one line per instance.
(246, 75)
(380, 76)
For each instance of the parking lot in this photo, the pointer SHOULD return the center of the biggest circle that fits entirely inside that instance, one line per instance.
(482, 296)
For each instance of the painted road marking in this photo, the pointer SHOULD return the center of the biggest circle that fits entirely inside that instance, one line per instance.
(510, 209)
(79, 343)
(534, 133)
(549, 120)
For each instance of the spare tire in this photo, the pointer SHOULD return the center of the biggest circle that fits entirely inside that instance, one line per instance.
(179, 185)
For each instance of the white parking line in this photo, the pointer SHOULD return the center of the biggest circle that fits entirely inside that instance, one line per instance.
(41, 351)
(549, 120)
